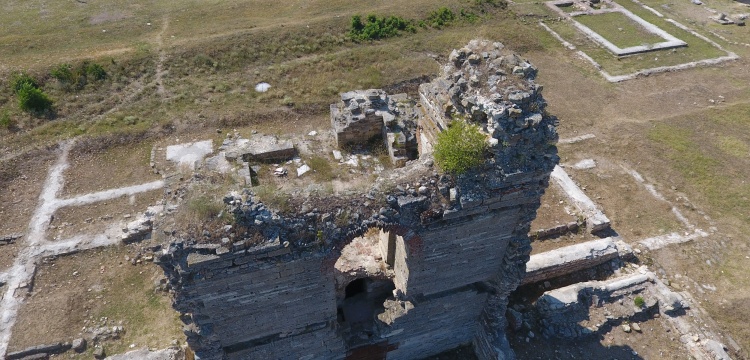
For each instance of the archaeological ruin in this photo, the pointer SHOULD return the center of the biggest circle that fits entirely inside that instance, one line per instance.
(421, 263)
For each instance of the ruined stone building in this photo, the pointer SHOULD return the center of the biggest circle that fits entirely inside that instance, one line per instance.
(421, 264)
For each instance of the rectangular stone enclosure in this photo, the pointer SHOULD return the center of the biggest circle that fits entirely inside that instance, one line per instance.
(619, 31)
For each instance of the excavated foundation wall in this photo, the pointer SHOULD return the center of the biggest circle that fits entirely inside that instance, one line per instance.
(458, 246)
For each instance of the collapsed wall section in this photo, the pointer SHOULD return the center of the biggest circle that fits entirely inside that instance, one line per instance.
(451, 247)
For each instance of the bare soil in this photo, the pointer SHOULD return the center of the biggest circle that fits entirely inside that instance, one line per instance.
(555, 209)
(77, 291)
(119, 166)
(634, 213)
(21, 181)
(93, 218)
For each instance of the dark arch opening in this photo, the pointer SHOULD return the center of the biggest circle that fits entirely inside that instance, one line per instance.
(355, 287)
(358, 310)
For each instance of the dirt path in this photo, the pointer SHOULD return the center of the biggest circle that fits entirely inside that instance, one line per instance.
(19, 278)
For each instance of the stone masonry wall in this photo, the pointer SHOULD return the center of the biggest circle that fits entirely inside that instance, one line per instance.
(461, 241)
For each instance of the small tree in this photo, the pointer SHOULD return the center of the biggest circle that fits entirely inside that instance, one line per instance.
(21, 79)
(31, 98)
(460, 147)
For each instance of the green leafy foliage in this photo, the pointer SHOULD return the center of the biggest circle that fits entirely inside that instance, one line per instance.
(460, 147)
(468, 16)
(6, 121)
(32, 99)
(440, 18)
(639, 302)
(62, 73)
(94, 71)
(77, 77)
(19, 80)
(375, 28)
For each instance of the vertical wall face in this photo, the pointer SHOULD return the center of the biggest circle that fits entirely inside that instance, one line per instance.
(463, 253)
(454, 250)
(252, 307)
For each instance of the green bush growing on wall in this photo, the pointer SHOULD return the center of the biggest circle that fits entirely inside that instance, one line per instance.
(460, 147)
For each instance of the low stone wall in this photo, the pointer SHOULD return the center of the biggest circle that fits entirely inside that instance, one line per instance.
(569, 259)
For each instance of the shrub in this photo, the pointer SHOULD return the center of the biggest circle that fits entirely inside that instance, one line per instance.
(6, 121)
(94, 70)
(441, 17)
(376, 28)
(63, 73)
(77, 77)
(460, 147)
(468, 16)
(21, 79)
(639, 302)
(31, 98)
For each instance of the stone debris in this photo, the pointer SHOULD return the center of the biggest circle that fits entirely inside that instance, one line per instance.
(585, 164)
(337, 155)
(576, 139)
(140, 228)
(9, 239)
(99, 353)
(722, 19)
(262, 87)
(636, 327)
(146, 354)
(302, 170)
(79, 345)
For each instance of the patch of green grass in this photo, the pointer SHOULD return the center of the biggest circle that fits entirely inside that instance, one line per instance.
(697, 48)
(321, 167)
(705, 166)
(639, 302)
(734, 146)
(619, 29)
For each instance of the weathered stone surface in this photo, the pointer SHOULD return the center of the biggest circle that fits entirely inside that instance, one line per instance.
(261, 148)
(569, 259)
(363, 115)
(79, 345)
(146, 354)
(99, 353)
(57, 348)
(454, 247)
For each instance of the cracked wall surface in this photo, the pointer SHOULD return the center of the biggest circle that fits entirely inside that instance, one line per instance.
(452, 246)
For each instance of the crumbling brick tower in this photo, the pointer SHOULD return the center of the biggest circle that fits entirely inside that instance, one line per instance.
(421, 264)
